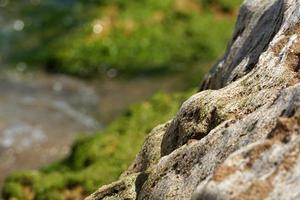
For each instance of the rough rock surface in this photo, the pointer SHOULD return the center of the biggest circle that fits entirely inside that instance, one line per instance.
(239, 137)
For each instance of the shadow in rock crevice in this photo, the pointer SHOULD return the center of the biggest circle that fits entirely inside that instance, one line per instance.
(140, 180)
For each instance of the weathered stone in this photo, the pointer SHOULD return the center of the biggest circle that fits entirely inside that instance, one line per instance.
(239, 137)
(150, 152)
(123, 189)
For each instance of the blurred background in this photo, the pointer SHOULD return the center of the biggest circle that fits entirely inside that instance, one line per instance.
(83, 82)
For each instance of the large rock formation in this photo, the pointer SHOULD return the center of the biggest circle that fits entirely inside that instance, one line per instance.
(239, 137)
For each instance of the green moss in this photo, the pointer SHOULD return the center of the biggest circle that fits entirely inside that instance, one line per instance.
(149, 47)
(13, 190)
(101, 158)
(146, 36)
(49, 195)
(225, 5)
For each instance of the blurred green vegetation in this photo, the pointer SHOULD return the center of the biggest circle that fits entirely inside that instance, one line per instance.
(87, 38)
(98, 159)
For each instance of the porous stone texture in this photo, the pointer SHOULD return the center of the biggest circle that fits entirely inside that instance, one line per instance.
(239, 136)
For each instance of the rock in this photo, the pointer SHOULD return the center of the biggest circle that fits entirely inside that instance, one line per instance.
(239, 137)
(150, 152)
(124, 189)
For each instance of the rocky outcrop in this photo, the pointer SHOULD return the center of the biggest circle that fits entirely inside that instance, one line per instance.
(239, 137)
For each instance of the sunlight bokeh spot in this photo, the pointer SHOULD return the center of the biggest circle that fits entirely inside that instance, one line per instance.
(97, 28)
(21, 67)
(18, 25)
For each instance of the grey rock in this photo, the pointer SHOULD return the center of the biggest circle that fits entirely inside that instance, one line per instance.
(150, 152)
(239, 136)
